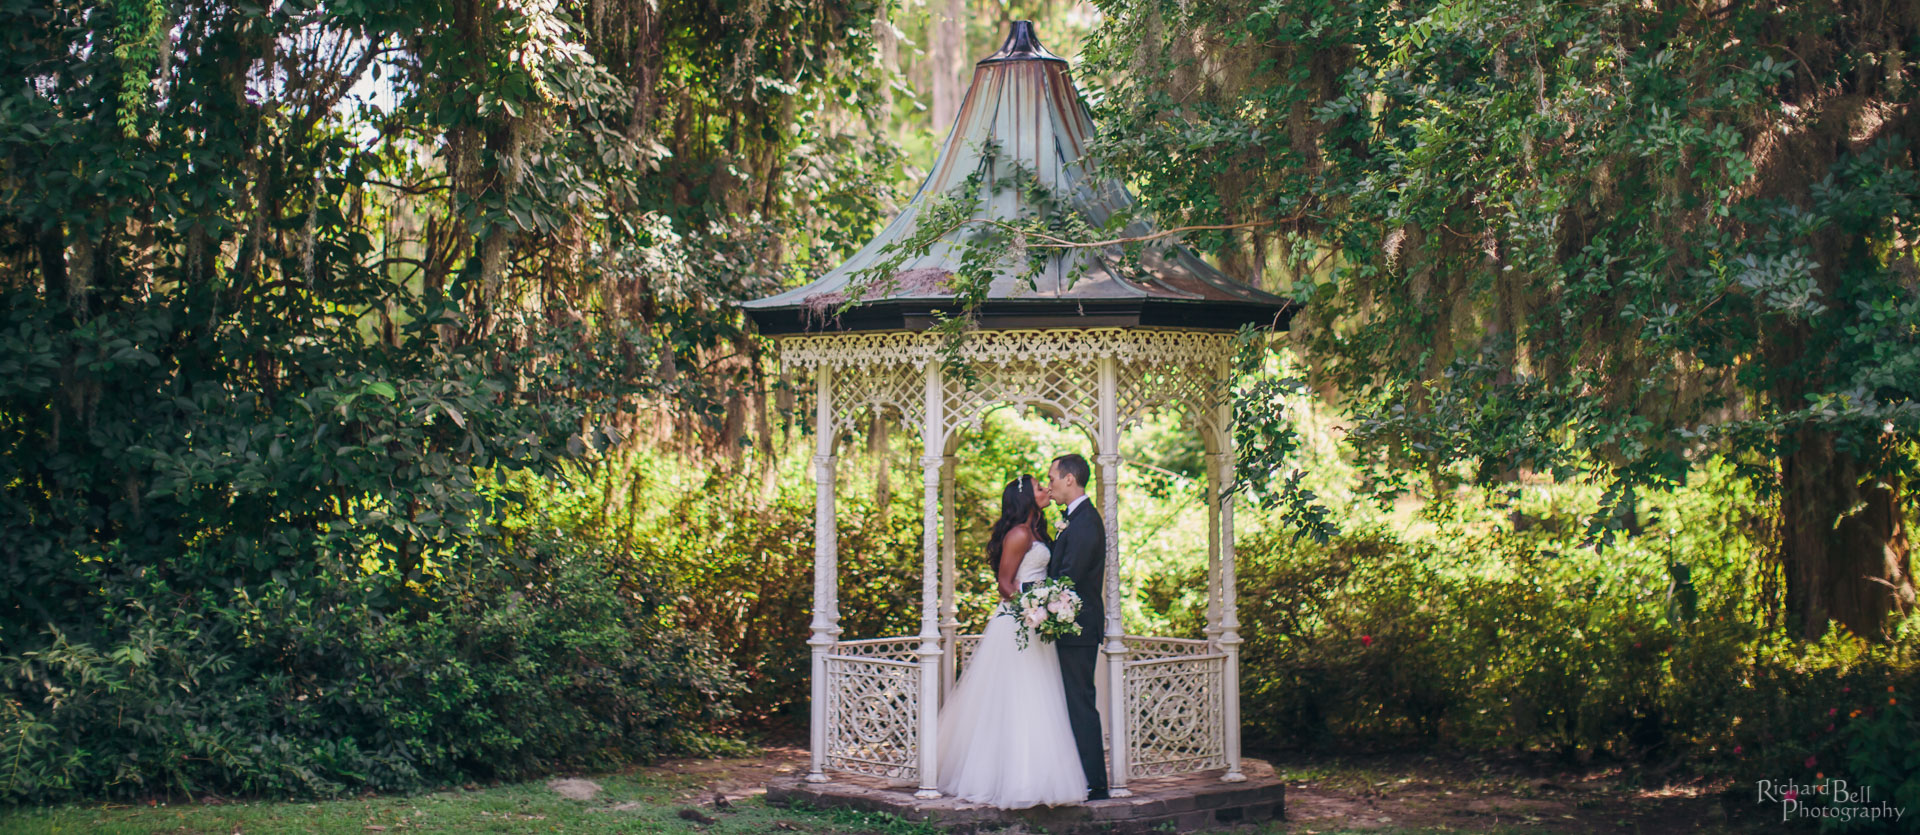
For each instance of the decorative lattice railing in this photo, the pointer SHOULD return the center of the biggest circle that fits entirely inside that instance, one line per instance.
(1142, 648)
(1159, 370)
(1176, 707)
(963, 647)
(891, 649)
(873, 715)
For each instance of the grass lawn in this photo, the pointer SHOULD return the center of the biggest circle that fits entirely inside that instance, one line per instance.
(1391, 795)
(641, 800)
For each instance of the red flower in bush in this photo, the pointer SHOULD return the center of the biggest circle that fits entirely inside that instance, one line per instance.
(1366, 640)
(1790, 794)
(1810, 761)
(1737, 749)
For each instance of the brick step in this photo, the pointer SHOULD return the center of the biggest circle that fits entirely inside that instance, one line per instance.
(1183, 803)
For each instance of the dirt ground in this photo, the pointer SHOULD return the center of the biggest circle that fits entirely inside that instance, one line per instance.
(1438, 791)
(1393, 792)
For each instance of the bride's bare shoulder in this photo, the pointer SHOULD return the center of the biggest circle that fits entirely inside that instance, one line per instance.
(1017, 541)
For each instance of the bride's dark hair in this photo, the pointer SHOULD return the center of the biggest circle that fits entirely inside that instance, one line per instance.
(1017, 507)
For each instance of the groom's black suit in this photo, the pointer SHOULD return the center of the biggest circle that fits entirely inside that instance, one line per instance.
(1080, 554)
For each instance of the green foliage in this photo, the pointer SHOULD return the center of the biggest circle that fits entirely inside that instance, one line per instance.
(309, 399)
(1833, 710)
(1598, 240)
(745, 574)
(1485, 636)
(287, 290)
(736, 564)
(1267, 443)
(319, 693)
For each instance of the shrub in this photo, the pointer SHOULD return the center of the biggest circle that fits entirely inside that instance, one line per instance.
(499, 672)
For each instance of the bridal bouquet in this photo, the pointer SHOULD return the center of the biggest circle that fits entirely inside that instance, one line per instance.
(1049, 609)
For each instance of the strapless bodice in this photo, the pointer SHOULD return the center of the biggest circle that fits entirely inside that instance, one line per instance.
(1033, 565)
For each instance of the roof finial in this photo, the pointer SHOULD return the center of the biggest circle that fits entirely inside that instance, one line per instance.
(1022, 45)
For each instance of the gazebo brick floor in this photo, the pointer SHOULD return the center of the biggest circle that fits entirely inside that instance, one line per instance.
(1181, 804)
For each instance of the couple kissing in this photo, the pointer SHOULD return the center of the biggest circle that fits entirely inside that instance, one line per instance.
(1021, 727)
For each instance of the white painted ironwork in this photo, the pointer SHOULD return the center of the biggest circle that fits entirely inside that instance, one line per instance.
(881, 388)
(1191, 387)
(930, 652)
(1063, 387)
(1108, 461)
(1176, 711)
(1055, 370)
(1172, 703)
(1143, 648)
(1215, 535)
(872, 716)
(890, 649)
(825, 629)
(949, 579)
(963, 647)
(1229, 607)
(1072, 346)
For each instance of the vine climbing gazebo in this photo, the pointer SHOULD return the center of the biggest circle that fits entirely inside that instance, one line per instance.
(1098, 341)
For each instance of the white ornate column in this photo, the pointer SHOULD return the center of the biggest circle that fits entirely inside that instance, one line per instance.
(932, 435)
(826, 621)
(1217, 475)
(1229, 639)
(949, 580)
(1116, 649)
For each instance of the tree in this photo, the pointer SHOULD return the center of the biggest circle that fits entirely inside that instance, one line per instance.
(1574, 238)
(280, 278)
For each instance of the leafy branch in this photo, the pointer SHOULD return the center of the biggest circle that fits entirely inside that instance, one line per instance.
(1052, 242)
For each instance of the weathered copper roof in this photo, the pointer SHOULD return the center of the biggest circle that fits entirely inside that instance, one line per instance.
(1023, 100)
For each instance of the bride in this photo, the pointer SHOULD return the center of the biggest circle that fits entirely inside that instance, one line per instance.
(1004, 737)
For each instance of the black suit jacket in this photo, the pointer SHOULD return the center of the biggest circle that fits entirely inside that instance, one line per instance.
(1080, 555)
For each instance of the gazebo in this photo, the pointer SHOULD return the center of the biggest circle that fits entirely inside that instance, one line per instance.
(1097, 342)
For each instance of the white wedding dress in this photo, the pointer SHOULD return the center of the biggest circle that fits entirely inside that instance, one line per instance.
(1004, 737)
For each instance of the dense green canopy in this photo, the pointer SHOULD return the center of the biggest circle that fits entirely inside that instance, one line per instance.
(374, 413)
(1601, 237)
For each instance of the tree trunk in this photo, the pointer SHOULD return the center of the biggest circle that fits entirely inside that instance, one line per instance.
(948, 54)
(1843, 543)
(51, 239)
(879, 447)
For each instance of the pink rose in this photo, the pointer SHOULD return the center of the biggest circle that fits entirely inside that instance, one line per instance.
(1035, 617)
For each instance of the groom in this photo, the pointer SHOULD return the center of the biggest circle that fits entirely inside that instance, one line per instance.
(1080, 554)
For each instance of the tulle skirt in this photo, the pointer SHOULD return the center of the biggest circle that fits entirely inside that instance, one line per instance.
(1004, 736)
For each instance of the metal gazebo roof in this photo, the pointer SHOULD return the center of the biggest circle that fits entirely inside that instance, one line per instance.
(1023, 102)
